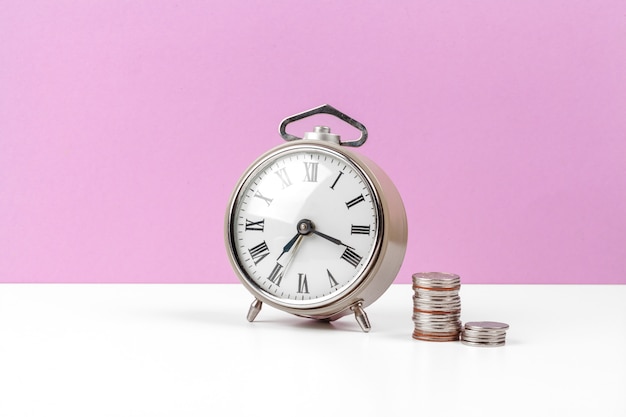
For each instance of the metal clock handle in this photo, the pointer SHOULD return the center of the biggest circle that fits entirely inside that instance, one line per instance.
(324, 109)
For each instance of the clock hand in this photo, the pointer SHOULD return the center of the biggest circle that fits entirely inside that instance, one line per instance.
(297, 242)
(331, 239)
(289, 244)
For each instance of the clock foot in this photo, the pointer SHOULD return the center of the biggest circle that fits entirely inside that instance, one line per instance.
(361, 317)
(255, 307)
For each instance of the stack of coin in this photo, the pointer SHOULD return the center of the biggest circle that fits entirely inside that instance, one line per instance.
(484, 333)
(436, 306)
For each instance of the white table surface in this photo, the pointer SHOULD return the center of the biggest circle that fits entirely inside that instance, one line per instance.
(187, 350)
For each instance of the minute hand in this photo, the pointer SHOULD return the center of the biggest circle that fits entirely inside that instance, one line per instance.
(331, 239)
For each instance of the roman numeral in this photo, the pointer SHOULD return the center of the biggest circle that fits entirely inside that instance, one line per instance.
(259, 252)
(355, 201)
(303, 285)
(276, 275)
(262, 197)
(331, 279)
(360, 230)
(256, 226)
(282, 174)
(350, 256)
(336, 179)
(310, 171)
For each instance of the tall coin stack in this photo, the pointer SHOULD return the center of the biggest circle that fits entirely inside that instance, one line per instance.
(436, 306)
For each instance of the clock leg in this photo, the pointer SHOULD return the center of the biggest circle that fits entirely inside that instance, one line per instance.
(255, 307)
(361, 317)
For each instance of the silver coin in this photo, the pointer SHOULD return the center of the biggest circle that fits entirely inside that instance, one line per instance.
(438, 314)
(436, 278)
(423, 293)
(482, 339)
(435, 275)
(424, 301)
(438, 304)
(422, 321)
(419, 285)
(435, 338)
(420, 299)
(486, 325)
(436, 333)
(437, 300)
(439, 311)
(436, 285)
(485, 334)
(439, 326)
(433, 307)
(421, 306)
(465, 342)
(433, 287)
(438, 329)
(455, 323)
(436, 317)
(432, 336)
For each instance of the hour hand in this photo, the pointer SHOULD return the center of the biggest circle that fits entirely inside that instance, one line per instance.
(289, 244)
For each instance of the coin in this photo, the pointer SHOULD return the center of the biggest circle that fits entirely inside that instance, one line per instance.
(436, 318)
(484, 339)
(481, 344)
(434, 337)
(432, 280)
(471, 332)
(486, 325)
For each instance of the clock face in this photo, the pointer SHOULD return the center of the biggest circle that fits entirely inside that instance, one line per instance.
(305, 225)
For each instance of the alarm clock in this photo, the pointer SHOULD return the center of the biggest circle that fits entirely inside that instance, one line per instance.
(314, 229)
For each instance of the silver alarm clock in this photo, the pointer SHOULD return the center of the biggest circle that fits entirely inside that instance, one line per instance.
(314, 229)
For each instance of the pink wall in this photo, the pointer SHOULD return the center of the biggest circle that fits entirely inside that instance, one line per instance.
(125, 125)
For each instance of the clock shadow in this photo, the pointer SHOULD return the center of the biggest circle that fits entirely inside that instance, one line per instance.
(313, 324)
(237, 319)
(197, 316)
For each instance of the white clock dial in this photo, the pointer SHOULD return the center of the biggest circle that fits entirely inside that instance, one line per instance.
(305, 225)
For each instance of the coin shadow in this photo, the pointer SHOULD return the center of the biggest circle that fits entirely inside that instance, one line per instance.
(513, 342)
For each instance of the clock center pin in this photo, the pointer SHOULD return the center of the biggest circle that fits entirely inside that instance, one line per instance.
(305, 226)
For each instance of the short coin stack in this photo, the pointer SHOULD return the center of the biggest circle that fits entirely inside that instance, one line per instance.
(436, 306)
(484, 333)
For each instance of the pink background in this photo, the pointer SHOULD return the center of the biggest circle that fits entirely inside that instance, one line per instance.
(124, 127)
